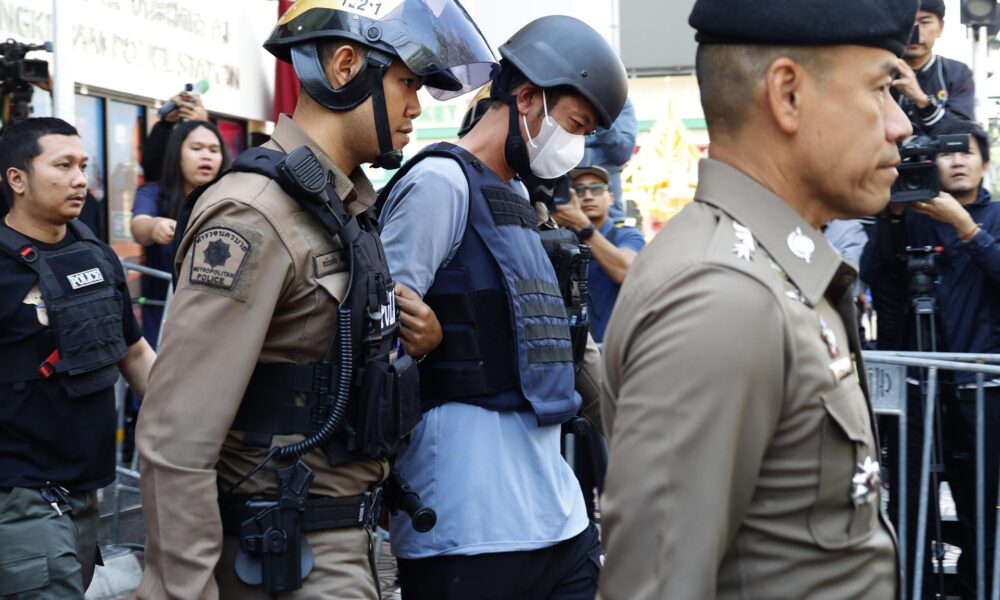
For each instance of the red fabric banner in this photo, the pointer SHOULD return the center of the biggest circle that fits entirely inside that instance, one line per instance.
(286, 84)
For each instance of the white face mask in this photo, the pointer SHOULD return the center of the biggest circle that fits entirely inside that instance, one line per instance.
(555, 151)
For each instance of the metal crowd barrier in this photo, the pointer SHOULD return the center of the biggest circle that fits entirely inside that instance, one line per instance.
(887, 383)
(131, 471)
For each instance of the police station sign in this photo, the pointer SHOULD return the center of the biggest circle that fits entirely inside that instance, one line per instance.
(150, 48)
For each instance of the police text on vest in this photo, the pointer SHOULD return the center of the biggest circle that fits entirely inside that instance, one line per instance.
(85, 278)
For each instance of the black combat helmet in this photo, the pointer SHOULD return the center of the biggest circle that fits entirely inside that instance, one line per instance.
(561, 50)
(436, 39)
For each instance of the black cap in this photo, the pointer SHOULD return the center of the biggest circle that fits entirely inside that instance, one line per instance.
(933, 6)
(879, 23)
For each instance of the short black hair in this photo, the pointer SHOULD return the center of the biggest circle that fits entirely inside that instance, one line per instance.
(976, 132)
(728, 73)
(19, 145)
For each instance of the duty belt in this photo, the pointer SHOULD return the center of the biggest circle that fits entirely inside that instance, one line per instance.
(321, 512)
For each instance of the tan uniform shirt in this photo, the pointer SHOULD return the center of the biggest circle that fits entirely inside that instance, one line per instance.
(259, 282)
(736, 415)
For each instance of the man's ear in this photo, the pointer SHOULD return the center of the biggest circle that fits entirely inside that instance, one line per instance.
(344, 65)
(526, 95)
(17, 180)
(784, 86)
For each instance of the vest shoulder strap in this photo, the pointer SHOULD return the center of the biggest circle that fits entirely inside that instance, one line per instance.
(21, 247)
(13, 242)
(300, 175)
(82, 231)
(442, 149)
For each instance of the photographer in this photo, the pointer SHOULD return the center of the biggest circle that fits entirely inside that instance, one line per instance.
(932, 90)
(189, 108)
(614, 246)
(962, 221)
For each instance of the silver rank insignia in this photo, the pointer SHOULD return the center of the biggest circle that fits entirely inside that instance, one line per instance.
(744, 246)
(866, 482)
(829, 337)
(801, 245)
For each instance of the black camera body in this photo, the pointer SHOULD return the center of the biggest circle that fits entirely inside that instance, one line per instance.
(17, 73)
(918, 173)
(922, 269)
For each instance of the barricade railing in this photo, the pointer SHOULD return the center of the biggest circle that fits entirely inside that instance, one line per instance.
(131, 471)
(887, 382)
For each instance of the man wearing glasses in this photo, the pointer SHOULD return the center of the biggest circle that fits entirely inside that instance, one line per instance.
(614, 246)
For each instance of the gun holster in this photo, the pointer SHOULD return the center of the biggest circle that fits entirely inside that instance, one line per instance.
(273, 552)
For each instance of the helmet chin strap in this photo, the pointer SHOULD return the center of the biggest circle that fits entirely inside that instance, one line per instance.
(388, 158)
(368, 82)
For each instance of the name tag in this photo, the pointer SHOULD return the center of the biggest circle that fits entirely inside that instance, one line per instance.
(329, 263)
(85, 278)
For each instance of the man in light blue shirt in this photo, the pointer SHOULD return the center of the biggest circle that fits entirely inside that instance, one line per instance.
(458, 229)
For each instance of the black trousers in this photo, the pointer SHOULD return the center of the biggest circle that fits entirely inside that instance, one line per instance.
(565, 571)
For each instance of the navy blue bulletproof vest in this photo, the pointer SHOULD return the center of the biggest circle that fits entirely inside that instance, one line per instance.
(506, 343)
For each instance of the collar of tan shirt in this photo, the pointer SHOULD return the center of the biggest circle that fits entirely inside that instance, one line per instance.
(776, 226)
(355, 190)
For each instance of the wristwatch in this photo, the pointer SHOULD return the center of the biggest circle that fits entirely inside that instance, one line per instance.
(584, 234)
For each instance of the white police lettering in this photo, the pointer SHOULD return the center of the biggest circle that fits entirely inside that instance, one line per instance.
(389, 312)
(85, 278)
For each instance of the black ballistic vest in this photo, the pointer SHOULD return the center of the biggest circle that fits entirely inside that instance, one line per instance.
(80, 291)
(364, 362)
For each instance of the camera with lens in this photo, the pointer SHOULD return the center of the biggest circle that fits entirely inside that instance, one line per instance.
(918, 173)
(18, 73)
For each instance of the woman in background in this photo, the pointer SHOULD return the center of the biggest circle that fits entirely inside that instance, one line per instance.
(194, 155)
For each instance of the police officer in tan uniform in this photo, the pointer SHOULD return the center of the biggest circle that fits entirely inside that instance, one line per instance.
(744, 457)
(249, 366)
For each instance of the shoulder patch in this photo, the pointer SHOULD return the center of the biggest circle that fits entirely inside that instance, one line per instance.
(223, 259)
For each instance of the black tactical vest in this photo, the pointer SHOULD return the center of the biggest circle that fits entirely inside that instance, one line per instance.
(365, 382)
(80, 291)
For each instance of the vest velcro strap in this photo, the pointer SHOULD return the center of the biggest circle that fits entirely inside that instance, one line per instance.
(463, 308)
(452, 308)
(509, 209)
(537, 286)
(546, 331)
(543, 309)
(456, 383)
(550, 354)
(269, 404)
(458, 345)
